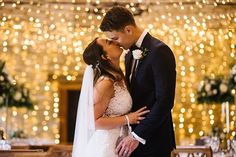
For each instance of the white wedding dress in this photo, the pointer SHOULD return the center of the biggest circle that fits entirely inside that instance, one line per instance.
(103, 142)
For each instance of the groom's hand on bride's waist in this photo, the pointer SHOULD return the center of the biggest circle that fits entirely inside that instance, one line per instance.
(127, 146)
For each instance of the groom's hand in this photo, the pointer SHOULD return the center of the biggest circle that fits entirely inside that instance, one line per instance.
(127, 146)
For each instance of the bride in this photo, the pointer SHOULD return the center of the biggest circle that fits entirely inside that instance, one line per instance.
(103, 112)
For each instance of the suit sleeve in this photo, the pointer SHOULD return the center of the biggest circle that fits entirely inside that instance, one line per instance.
(164, 73)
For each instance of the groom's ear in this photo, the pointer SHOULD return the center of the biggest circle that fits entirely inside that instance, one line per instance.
(128, 29)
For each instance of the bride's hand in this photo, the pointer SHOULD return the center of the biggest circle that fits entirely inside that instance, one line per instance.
(137, 116)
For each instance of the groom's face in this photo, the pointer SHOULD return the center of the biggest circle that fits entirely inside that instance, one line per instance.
(121, 38)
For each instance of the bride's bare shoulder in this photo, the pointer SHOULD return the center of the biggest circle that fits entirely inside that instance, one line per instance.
(104, 86)
(104, 81)
(101, 78)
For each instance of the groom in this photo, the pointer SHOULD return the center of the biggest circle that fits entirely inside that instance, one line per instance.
(151, 77)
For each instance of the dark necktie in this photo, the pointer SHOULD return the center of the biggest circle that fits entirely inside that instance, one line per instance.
(133, 64)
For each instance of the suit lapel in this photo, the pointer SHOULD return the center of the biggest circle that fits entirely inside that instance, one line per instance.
(145, 44)
(128, 58)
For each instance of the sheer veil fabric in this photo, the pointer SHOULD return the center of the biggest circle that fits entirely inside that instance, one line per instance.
(85, 126)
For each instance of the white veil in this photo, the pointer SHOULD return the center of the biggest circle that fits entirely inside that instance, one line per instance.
(85, 126)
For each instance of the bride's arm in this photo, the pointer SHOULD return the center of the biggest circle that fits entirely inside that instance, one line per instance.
(103, 92)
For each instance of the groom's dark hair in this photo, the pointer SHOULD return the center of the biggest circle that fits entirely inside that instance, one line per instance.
(116, 19)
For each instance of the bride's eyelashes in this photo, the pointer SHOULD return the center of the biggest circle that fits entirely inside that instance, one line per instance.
(109, 42)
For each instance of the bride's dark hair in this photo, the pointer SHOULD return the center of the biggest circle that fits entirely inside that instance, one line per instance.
(95, 55)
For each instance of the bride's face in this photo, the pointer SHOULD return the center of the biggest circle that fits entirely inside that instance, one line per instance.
(113, 51)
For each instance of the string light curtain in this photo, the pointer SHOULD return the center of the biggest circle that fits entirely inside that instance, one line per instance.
(43, 41)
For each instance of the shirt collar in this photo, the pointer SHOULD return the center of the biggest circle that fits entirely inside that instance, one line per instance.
(140, 39)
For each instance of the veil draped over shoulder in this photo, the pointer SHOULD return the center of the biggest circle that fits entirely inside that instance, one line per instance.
(85, 126)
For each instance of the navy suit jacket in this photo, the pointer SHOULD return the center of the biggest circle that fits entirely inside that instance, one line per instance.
(154, 86)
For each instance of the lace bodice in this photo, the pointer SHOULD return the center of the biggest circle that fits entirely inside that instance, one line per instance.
(121, 103)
